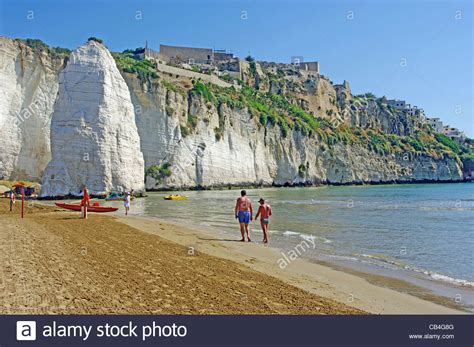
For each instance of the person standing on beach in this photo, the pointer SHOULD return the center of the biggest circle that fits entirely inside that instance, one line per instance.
(264, 211)
(12, 199)
(86, 199)
(244, 212)
(126, 202)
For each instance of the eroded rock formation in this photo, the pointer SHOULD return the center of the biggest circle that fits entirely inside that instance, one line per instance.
(94, 139)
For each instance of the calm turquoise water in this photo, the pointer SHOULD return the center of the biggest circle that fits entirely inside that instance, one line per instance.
(424, 232)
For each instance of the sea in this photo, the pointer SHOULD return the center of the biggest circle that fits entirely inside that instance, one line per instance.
(422, 234)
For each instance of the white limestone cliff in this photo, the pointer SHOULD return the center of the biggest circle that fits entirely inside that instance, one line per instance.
(249, 154)
(28, 89)
(94, 138)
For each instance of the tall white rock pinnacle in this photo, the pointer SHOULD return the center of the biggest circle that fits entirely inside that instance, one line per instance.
(94, 138)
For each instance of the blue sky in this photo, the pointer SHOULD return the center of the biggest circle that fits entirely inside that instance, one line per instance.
(419, 51)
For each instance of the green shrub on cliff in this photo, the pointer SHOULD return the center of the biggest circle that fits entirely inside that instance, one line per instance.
(218, 132)
(192, 121)
(40, 46)
(446, 141)
(158, 172)
(203, 90)
(253, 68)
(302, 170)
(467, 156)
(415, 143)
(127, 62)
(93, 38)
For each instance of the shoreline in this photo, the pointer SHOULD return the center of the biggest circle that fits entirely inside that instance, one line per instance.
(306, 185)
(259, 186)
(369, 292)
(400, 285)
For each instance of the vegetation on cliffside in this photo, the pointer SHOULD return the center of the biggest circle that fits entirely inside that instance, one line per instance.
(127, 62)
(41, 47)
(158, 172)
(272, 110)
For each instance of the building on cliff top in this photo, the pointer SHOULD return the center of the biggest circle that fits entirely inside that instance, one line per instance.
(453, 133)
(310, 66)
(192, 55)
(436, 123)
(407, 108)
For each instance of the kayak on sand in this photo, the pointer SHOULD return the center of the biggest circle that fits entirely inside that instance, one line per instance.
(93, 208)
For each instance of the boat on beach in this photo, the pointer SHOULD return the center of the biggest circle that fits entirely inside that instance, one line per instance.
(175, 197)
(93, 208)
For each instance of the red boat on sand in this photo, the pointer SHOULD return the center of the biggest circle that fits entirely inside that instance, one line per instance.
(93, 208)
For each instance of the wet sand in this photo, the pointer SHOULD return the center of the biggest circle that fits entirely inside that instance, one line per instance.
(55, 262)
(370, 293)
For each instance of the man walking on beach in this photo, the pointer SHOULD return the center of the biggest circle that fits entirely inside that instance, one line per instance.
(264, 211)
(244, 212)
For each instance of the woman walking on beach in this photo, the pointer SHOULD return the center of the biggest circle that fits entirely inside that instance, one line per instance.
(264, 211)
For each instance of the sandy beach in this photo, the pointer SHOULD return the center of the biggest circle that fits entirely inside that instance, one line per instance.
(55, 262)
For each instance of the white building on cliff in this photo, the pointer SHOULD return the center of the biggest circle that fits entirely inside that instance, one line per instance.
(403, 106)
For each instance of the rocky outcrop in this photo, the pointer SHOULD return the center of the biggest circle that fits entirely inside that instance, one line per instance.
(29, 85)
(94, 139)
(468, 169)
(321, 98)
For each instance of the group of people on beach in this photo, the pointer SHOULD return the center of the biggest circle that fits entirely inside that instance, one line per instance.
(244, 213)
(126, 199)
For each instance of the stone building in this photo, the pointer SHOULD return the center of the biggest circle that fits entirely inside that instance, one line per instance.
(312, 66)
(453, 133)
(436, 123)
(194, 55)
(150, 53)
(398, 104)
(402, 105)
(222, 55)
(188, 54)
